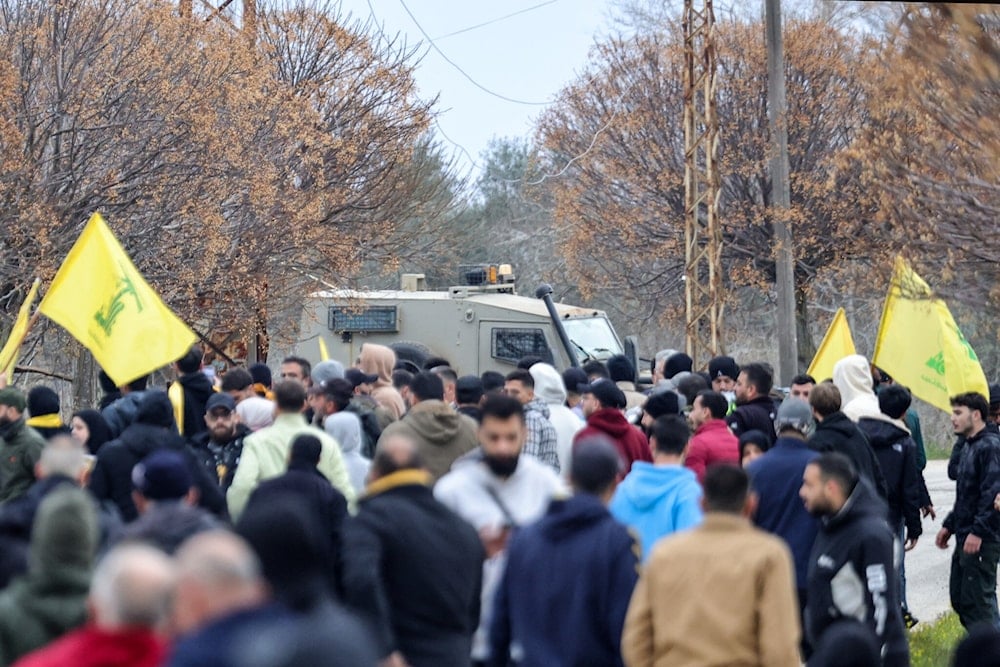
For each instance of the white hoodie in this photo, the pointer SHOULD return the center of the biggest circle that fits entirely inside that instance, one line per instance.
(549, 388)
(345, 428)
(853, 377)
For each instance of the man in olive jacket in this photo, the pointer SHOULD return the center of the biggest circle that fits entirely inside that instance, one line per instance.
(51, 599)
(20, 446)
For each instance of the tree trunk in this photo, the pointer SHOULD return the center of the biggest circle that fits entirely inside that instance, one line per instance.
(806, 344)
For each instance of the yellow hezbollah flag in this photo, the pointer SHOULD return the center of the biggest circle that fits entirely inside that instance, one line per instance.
(837, 344)
(920, 345)
(324, 354)
(12, 348)
(100, 298)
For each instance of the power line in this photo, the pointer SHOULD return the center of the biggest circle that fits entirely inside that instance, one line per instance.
(460, 70)
(498, 19)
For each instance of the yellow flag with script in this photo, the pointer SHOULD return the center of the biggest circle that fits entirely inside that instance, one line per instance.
(100, 298)
(920, 345)
(837, 344)
(12, 348)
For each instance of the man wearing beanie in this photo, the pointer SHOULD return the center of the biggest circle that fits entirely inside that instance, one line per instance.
(43, 411)
(776, 478)
(164, 495)
(261, 375)
(51, 599)
(576, 552)
(675, 364)
(20, 446)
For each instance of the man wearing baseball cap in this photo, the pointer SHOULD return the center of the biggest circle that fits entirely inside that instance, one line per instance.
(20, 446)
(219, 448)
(603, 406)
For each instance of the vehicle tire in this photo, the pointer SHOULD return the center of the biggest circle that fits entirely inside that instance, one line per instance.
(411, 353)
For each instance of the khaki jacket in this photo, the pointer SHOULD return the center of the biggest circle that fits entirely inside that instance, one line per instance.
(721, 594)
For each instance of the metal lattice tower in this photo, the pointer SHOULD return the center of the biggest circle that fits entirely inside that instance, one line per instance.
(238, 14)
(702, 232)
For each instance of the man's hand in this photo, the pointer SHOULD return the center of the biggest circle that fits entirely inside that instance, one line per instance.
(910, 543)
(395, 659)
(996, 501)
(942, 538)
(972, 544)
(494, 539)
(928, 511)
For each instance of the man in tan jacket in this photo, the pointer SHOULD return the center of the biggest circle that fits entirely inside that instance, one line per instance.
(720, 594)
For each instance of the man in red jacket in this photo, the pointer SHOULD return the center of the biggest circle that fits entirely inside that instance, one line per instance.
(603, 403)
(130, 599)
(712, 442)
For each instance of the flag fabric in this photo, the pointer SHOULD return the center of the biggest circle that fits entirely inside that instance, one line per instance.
(12, 348)
(324, 354)
(837, 344)
(103, 301)
(920, 345)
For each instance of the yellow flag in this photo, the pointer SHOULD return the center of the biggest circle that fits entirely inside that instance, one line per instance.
(324, 354)
(920, 345)
(12, 348)
(837, 344)
(100, 298)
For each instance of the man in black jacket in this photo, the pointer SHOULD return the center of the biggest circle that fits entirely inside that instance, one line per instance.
(754, 408)
(851, 570)
(219, 448)
(111, 478)
(190, 393)
(973, 520)
(412, 566)
(835, 432)
(897, 458)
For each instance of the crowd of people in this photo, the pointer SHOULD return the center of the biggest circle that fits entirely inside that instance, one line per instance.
(373, 515)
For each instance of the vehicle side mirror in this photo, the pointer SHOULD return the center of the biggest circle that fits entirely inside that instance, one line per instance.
(632, 352)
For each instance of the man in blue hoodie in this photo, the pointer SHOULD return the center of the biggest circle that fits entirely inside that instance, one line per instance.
(660, 498)
(569, 577)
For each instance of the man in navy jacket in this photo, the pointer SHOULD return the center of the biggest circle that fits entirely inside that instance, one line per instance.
(569, 577)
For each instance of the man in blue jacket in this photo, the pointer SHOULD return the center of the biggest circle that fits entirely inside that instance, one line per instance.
(660, 498)
(569, 577)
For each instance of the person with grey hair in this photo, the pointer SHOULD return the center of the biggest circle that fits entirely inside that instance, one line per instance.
(130, 604)
(51, 599)
(221, 595)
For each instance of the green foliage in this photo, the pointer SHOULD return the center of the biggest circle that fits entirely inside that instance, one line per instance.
(933, 645)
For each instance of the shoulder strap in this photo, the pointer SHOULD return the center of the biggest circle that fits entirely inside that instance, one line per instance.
(502, 505)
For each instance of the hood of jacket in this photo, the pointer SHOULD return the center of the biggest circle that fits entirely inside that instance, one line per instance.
(142, 439)
(647, 485)
(345, 428)
(434, 422)
(610, 421)
(882, 433)
(378, 360)
(862, 502)
(64, 536)
(198, 384)
(839, 423)
(853, 377)
(567, 517)
(548, 384)
(539, 406)
(155, 409)
(167, 523)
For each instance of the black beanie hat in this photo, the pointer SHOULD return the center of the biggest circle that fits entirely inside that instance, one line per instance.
(677, 363)
(261, 374)
(723, 367)
(662, 403)
(42, 401)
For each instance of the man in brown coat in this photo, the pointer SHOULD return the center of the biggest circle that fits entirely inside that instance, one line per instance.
(720, 594)
(441, 434)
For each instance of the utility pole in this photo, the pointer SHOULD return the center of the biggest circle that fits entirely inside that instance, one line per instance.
(702, 231)
(777, 116)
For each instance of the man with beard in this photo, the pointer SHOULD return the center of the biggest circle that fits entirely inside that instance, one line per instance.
(754, 407)
(218, 449)
(20, 446)
(851, 568)
(496, 490)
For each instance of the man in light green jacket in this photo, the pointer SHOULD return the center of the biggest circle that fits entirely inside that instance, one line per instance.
(265, 453)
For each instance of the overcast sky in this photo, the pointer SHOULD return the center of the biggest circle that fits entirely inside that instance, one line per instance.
(527, 57)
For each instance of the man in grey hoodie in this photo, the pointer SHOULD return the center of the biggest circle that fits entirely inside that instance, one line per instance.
(549, 388)
(442, 435)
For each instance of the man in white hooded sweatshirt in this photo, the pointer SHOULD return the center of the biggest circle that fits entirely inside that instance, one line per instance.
(853, 377)
(549, 388)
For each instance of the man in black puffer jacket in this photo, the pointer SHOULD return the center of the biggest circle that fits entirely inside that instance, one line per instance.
(755, 411)
(851, 570)
(190, 394)
(836, 433)
(154, 428)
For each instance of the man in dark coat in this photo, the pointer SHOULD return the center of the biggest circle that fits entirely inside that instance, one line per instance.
(835, 432)
(218, 448)
(603, 405)
(310, 488)
(851, 569)
(569, 577)
(20, 446)
(120, 413)
(754, 408)
(412, 566)
(190, 393)
(43, 408)
(111, 478)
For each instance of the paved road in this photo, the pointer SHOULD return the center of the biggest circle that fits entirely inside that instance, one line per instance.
(927, 566)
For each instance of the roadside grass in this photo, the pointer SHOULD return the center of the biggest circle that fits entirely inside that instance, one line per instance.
(933, 645)
(937, 451)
